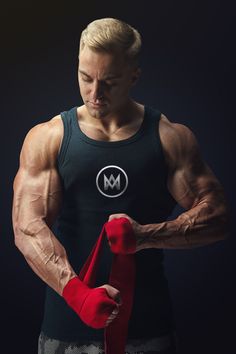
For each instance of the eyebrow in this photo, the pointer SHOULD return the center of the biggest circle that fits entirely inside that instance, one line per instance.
(109, 77)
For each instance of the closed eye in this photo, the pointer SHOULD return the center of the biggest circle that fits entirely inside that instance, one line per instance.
(86, 78)
(110, 83)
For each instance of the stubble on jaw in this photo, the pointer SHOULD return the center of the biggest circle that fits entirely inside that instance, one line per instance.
(97, 113)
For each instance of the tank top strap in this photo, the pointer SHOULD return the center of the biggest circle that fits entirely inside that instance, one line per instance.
(67, 119)
(153, 116)
(152, 132)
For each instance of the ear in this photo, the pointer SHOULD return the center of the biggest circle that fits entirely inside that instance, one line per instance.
(135, 76)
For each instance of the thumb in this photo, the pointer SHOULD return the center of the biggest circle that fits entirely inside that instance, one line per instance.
(117, 216)
(113, 293)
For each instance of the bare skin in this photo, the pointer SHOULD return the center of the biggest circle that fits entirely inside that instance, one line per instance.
(38, 191)
(194, 186)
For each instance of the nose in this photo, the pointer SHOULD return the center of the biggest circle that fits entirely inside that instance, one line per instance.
(96, 91)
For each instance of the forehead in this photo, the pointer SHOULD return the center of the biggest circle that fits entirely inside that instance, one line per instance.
(101, 61)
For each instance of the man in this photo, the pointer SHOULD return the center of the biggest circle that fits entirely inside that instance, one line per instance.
(111, 158)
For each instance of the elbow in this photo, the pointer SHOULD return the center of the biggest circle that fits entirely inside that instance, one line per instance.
(22, 244)
(17, 230)
(18, 237)
(25, 232)
(19, 245)
(21, 238)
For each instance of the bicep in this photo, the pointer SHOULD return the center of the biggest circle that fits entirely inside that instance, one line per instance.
(37, 185)
(36, 196)
(190, 179)
(193, 183)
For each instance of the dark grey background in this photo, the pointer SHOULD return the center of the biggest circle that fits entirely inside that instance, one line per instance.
(188, 65)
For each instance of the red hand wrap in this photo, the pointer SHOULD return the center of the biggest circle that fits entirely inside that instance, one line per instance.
(93, 306)
(121, 236)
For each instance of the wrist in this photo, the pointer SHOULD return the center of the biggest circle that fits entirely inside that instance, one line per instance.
(75, 292)
(152, 236)
(143, 240)
(160, 235)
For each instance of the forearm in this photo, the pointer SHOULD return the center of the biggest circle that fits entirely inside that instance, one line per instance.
(201, 225)
(44, 253)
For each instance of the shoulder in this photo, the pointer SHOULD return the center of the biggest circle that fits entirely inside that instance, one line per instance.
(42, 142)
(178, 141)
(45, 131)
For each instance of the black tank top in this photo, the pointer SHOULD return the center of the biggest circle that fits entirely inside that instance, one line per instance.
(100, 178)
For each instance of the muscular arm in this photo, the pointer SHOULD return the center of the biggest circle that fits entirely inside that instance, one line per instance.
(195, 188)
(37, 199)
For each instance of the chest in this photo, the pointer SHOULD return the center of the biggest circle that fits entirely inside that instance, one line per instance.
(112, 134)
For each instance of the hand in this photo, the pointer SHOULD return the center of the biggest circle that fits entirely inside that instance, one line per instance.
(95, 306)
(137, 228)
(115, 295)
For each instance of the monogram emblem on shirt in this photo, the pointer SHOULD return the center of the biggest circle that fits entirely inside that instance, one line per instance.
(111, 181)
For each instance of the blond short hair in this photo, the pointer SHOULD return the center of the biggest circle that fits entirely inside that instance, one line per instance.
(112, 35)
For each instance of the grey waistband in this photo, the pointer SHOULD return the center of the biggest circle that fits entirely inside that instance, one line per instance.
(48, 345)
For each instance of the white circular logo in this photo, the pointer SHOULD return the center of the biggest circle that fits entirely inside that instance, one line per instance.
(112, 181)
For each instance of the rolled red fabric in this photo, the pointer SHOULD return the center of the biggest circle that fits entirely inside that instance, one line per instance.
(94, 306)
(121, 236)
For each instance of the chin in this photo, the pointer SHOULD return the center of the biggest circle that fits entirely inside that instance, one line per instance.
(98, 112)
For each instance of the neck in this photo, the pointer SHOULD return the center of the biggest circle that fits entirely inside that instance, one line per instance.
(113, 120)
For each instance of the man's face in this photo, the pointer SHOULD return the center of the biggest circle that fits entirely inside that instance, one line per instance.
(105, 80)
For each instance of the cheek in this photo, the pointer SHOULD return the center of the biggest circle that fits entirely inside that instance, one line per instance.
(120, 91)
(84, 89)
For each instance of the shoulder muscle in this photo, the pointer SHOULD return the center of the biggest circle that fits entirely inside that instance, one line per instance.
(41, 146)
(179, 143)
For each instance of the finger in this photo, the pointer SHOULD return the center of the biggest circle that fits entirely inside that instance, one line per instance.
(113, 216)
(116, 216)
(115, 311)
(110, 320)
(113, 315)
(113, 293)
(117, 298)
